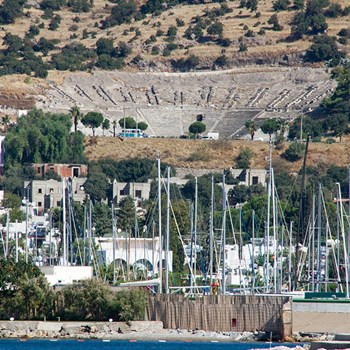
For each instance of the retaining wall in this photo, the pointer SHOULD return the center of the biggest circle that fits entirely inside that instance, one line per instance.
(223, 313)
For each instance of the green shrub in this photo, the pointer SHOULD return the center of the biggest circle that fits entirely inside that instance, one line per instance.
(294, 152)
(243, 159)
(198, 156)
(73, 28)
(281, 5)
(180, 22)
(155, 50)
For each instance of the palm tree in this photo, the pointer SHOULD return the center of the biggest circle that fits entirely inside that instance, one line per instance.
(5, 120)
(76, 115)
(251, 127)
(282, 125)
(114, 123)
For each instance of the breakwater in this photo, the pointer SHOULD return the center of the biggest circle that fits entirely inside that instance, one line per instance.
(77, 330)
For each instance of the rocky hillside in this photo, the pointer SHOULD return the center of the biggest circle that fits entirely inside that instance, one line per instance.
(170, 35)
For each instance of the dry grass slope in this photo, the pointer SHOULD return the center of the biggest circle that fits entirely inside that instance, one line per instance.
(213, 154)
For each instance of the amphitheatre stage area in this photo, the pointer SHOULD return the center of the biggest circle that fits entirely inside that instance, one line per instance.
(170, 102)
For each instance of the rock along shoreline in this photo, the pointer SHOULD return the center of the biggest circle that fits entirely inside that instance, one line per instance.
(134, 330)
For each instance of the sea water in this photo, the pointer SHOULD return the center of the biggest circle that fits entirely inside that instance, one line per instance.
(30, 344)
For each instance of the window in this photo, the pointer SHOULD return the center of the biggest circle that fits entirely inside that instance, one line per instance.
(39, 170)
(58, 203)
(242, 176)
(40, 204)
(51, 190)
(75, 172)
(124, 192)
(40, 190)
(138, 194)
(255, 180)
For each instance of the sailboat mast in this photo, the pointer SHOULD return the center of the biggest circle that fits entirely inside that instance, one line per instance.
(344, 242)
(319, 219)
(290, 256)
(26, 236)
(195, 228)
(167, 235)
(274, 232)
(253, 252)
(160, 231)
(267, 243)
(223, 233)
(348, 255)
(113, 243)
(211, 232)
(64, 222)
(300, 231)
(313, 242)
(191, 247)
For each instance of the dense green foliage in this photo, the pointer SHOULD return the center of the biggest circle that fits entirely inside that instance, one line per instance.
(131, 123)
(95, 301)
(43, 138)
(92, 120)
(10, 10)
(294, 152)
(339, 102)
(311, 20)
(80, 5)
(269, 126)
(332, 118)
(244, 158)
(26, 295)
(197, 128)
(123, 12)
(324, 48)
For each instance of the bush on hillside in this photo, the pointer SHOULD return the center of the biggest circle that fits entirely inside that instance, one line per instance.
(294, 152)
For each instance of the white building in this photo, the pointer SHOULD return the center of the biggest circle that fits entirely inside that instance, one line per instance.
(137, 253)
(64, 275)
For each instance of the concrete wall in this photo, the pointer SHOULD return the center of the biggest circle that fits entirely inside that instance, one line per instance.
(321, 317)
(321, 307)
(321, 322)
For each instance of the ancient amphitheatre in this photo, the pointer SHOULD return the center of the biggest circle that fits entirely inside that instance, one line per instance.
(170, 102)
